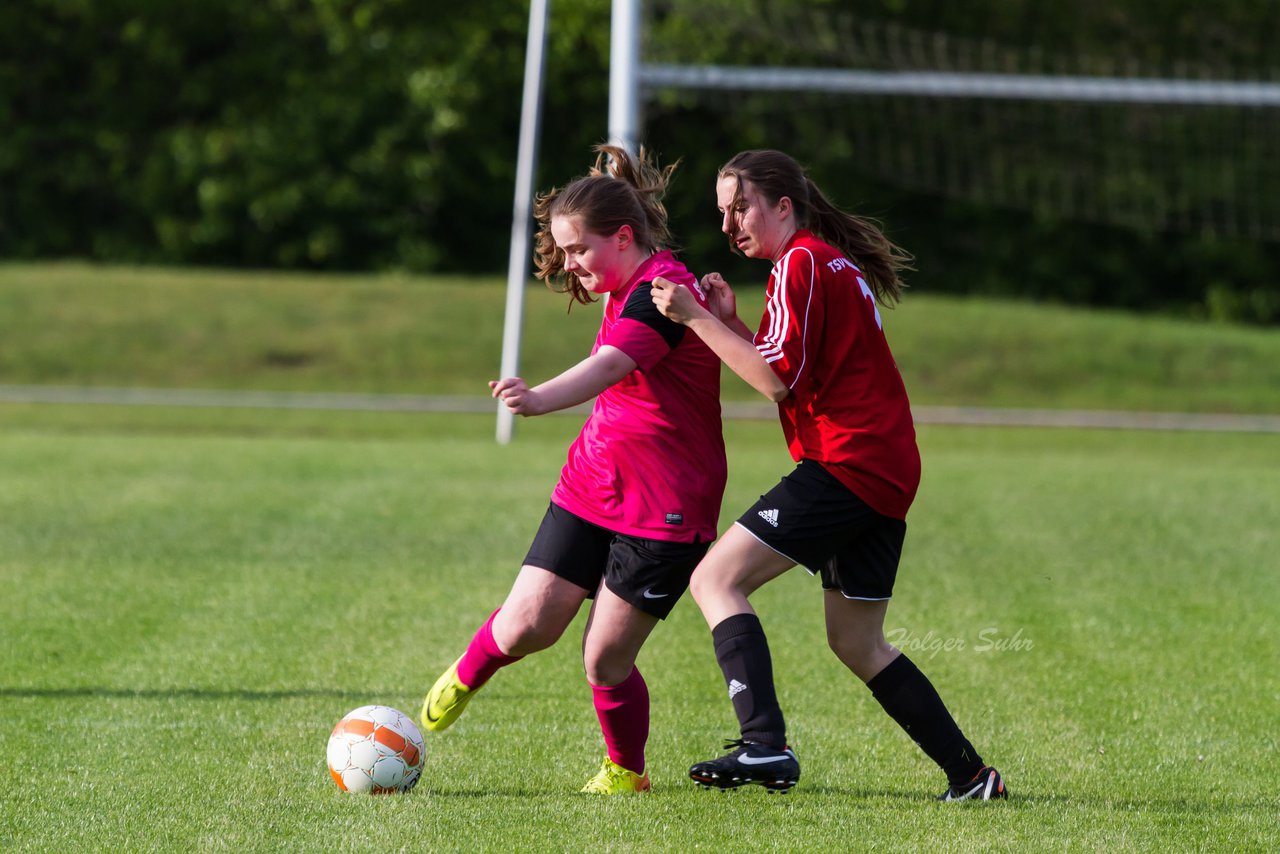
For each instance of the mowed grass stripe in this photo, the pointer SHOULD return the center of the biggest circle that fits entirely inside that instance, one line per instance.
(75, 324)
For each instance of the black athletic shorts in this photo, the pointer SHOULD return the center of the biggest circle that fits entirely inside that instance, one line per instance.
(651, 575)
(814, 520)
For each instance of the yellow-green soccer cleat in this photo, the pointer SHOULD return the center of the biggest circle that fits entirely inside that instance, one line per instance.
(613, 779)
(445, 701)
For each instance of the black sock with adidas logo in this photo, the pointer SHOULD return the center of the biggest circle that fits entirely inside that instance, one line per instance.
(911, 700)
(743, 653)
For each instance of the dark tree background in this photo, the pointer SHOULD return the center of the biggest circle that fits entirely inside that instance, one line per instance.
(381, 134)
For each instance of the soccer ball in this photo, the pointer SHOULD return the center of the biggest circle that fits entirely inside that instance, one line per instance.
(375, 749)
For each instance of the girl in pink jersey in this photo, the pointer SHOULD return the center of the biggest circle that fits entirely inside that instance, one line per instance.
(639, 496)
(821, 355)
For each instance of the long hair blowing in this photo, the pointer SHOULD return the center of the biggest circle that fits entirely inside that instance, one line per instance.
(618, 190)
(775, 175)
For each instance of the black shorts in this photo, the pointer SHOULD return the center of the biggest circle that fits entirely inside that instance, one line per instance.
(650, 575)
(814, 520)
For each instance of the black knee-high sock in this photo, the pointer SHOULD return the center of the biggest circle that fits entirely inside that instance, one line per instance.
(910, 699)
(743, 653)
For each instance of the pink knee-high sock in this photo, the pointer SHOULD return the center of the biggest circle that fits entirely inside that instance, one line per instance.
(483, 658)
(623, 710)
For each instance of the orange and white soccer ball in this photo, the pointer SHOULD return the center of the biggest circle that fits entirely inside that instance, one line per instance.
(375, 749)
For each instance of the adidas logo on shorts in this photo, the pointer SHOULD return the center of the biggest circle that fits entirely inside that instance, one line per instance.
(770, 516)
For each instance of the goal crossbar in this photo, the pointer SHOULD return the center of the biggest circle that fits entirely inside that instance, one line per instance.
(950, 84)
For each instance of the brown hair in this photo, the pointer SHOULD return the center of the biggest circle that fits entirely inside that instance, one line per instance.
(618, 190)
(775, 175)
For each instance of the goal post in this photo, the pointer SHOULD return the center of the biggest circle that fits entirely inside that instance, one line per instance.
(1217, 123)
(624, 74)
(522, 207)
(943, 84)
(624, 119)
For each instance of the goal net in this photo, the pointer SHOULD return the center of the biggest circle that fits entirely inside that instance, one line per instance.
(1100, 137)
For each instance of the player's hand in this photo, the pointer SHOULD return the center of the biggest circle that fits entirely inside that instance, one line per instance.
(516, 395)
(676, 301)
(721, 300)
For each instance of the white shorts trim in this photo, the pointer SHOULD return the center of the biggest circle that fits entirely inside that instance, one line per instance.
(772, 549)
(813, 572)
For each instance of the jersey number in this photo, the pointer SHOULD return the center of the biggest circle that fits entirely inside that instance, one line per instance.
(871, 298)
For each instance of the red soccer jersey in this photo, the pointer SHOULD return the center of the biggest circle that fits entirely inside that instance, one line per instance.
(650, 460)
(848, 408)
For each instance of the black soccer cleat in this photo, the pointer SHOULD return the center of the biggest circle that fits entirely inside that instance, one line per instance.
(985, 786)
(776, 770)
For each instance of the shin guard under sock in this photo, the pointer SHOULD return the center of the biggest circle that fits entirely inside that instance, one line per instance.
(483, 657)
(623, 711)
(743, 653)
(911, 700)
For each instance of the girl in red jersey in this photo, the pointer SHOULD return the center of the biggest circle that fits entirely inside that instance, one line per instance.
(639, 496)
(821, 355)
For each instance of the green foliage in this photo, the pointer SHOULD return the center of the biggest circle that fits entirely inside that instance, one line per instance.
(381, 134)
(294, 133)
(1133, 258)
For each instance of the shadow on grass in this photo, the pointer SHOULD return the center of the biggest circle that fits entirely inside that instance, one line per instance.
(187, 693)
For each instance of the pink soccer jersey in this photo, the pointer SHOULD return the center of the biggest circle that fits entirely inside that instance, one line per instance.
(650, 459)
(848, 410)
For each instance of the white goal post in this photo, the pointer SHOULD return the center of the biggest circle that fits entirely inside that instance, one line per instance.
(624, 111)
(630, 76)
(522, 208)
(942, 84)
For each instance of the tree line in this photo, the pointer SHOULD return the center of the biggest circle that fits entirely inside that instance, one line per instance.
(381, 134)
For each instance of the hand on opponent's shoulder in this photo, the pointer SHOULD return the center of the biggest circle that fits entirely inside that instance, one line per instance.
(720, 297)
(676, 302)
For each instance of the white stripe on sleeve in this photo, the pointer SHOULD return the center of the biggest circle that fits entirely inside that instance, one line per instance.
(779, 309)
(779, 314)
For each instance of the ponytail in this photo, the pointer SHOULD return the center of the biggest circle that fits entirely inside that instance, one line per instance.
(880, 259)
(775, 175)
(618, 190)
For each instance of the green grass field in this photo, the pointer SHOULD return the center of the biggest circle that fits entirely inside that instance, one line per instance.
(194, 597)
(186, 616)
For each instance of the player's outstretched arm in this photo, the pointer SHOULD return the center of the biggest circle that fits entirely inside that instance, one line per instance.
(577, 385)
(735, 349)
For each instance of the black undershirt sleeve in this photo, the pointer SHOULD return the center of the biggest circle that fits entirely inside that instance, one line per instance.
(640, 308)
